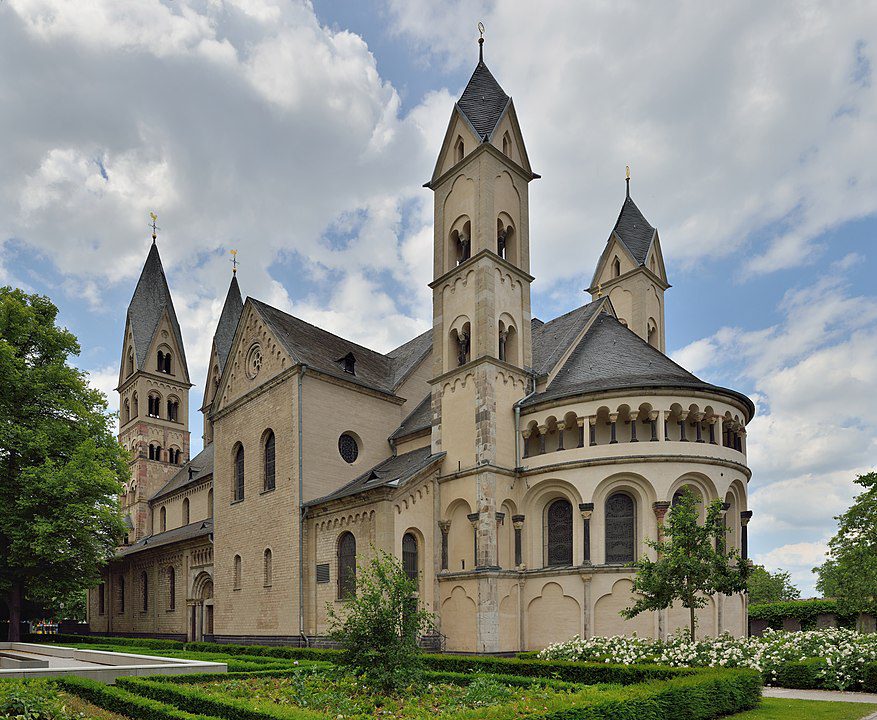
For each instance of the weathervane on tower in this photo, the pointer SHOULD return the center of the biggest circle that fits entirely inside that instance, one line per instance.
(480, 41)
(154, 226)
(234, 262)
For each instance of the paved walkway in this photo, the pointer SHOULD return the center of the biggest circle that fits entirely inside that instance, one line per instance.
(835, 695)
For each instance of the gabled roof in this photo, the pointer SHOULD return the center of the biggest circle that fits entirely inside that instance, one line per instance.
(152, 298)
(420, 418)
(483, 101)
(201, 466)
(634, 231)
(552, 339)
(392, 472)
(320, 349)
(610, 356)
(193, 530)
(228, 322)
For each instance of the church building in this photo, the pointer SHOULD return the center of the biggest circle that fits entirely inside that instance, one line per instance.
(515, 466)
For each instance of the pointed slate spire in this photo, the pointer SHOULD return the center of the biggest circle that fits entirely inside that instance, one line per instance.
(152, 298)
(633, 229)
(483, 101)
(228, 321)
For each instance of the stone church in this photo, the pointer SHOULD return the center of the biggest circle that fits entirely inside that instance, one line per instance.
(515, 466)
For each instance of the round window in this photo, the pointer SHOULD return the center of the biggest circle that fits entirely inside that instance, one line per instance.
(348, 447)
(254, 361)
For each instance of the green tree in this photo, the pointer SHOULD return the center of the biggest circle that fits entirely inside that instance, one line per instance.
(61, 468)
(849, 573)
(693, 562)
(764, 586)
(380, 625)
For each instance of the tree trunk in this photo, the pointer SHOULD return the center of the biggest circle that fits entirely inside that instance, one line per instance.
(15, 595)
(691, 615)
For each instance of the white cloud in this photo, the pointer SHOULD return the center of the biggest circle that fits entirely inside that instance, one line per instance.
(798, 559)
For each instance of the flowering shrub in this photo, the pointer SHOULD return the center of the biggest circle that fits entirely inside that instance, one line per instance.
(845, 652)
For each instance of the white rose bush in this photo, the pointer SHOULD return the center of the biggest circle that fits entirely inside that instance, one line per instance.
(838, 657)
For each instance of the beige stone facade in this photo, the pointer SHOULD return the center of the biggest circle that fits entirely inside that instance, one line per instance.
(517, 467)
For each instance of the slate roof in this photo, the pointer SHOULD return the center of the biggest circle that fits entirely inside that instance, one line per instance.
(420, 418)
(552, 339)
(187, 532)
(228, 322)
(393, 472)
(634, 230)
(483, 101)
(150, 301)
(612, 357)
(202, 467)
(321, 350)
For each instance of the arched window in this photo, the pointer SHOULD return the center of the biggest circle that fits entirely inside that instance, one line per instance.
(134, 407)
(239, 473)
(121, 596)
(558, 522)
(620, 529)
(269, 461)
(144, 587)
(653, 265)
(185, 511)
(346, 566)
(267, 567)
(653, 332)
(163, 362)
(616, 267)
(171, 589)
(162, 521)
(154, 406)
(409, 555)
(237, 572)
(459, 149)
(506, 145)
(129, 368)
(127, 410)
(178, 456)
(210, 503)
(173, 409)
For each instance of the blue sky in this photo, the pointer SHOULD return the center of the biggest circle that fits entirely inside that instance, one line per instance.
(300, 134)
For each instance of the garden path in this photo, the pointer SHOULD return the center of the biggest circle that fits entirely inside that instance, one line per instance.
(834, 695)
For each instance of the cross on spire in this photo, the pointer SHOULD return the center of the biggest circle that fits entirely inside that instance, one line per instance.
(234, 262)
(154, 226)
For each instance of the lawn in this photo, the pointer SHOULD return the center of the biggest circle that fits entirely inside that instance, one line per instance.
(782, 709)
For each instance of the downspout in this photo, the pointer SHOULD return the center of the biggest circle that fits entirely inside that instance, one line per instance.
(517, 407)
(301, 514)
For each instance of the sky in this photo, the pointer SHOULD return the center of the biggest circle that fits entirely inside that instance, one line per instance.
(301, 133)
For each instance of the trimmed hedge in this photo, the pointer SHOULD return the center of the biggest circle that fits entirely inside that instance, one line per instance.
(803, 675)
(870, 682)
(804, 611)
(142, 642)
(117, 700)
(702, 695)
(278, 651)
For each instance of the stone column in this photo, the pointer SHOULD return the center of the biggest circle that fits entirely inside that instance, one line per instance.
(698, 430)
(581, 424)
(473, 518)
(613, 424)
(592, 430)
(587, 619)
(586, 509)
(683, 419)
(518, 524)
(713, 423)
(561, 426)
(745, 517)
(633, 420)
(666, 417)
(526, 436)
(653, 422)
(543, 431)
(660, 509)
(445, 527)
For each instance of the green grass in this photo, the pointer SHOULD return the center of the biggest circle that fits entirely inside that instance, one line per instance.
(783, 709)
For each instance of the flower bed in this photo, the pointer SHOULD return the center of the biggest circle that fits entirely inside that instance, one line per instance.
(833, 658)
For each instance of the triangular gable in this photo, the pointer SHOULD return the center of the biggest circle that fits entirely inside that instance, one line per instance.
(613, 245)
(458, 126)
(510, 118)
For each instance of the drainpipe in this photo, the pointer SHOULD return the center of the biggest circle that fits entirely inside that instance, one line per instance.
(301, 514)
(517, 407)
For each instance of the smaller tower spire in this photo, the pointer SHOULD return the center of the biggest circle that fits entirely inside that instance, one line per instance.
(153, 226)
(480, 42)
(234, 262)
(627, 180)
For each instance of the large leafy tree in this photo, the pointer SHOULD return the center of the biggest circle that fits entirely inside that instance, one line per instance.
(693, 562)
(380, 625)
(849, 574)
(61, 468)
(764, 586)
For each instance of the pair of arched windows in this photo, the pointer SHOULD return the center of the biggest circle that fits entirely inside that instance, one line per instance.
(154, 452)
(269, 466)
(267, 570)
(346, 565)
(173, 409)
(153, 403)
(620, 531)
(163, 362)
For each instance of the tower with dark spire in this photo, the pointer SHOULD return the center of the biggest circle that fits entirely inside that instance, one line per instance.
(481, 306)
(221, 347)
(631, 272)
(153, 393)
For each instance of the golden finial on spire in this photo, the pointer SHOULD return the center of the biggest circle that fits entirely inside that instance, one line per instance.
(234, 262)
(480, 41)
(153, 226)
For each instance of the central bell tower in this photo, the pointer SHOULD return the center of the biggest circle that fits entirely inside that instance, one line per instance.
(481, 308)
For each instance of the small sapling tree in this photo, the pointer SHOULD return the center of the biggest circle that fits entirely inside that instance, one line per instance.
(693, 562)
(380, 625)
